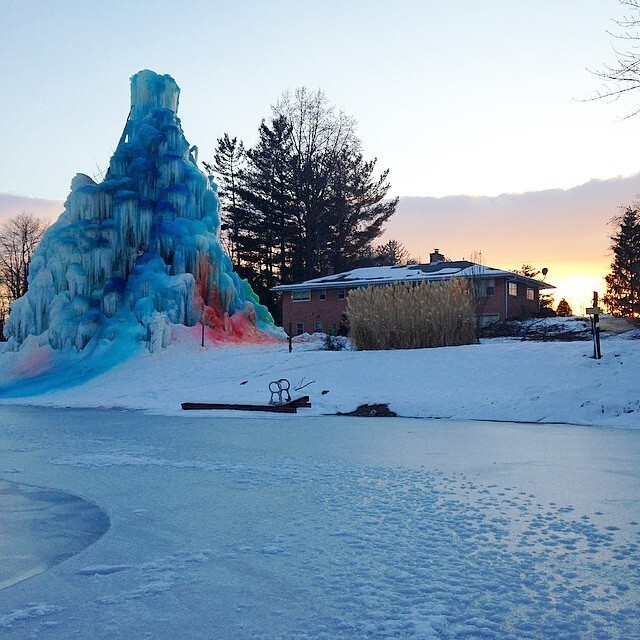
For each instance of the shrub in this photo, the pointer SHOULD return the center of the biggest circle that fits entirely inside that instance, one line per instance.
(412, 316)
(334, 343)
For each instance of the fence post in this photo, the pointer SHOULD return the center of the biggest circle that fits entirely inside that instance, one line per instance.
(595, 312)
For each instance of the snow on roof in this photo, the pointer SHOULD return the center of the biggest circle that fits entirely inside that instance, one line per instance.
(364, 276)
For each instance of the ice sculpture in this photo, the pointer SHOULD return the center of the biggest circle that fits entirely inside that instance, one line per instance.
(139, 252)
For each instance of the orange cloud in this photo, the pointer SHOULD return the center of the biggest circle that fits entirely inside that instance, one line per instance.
(566, 231)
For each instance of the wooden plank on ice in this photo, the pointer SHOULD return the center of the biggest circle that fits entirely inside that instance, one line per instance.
(289, 407)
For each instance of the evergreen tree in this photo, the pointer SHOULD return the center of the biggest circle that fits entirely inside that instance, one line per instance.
(564, 308)
(623, 282)
(226, 169)
(389, 254)
(356, 211)
(321, 141)
(306, 200)
(318, 202)
(265, 195)
(528, 271)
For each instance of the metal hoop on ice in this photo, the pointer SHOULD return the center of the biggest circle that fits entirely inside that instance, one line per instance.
(279, 388)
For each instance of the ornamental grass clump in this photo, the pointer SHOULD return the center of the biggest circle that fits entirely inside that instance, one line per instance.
(412, 316)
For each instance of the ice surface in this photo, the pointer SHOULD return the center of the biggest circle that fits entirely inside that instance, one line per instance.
(139, 252)
(332, 528)
(43, 527)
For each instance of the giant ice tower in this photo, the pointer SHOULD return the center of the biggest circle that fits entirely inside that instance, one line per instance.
(139, 251)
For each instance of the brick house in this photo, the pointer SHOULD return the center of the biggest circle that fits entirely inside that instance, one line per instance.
(320, 304)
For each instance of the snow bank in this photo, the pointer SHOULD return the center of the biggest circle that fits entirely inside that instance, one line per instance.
(498, 380)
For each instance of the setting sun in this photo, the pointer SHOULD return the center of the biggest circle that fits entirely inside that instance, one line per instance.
(578, 290)
(574, 281)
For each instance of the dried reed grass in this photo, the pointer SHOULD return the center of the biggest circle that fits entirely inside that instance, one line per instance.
(412, 316)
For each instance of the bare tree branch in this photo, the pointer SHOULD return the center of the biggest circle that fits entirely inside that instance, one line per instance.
(19, 236)
(624, 76)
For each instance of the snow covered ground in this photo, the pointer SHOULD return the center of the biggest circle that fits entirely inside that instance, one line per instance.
(497, 380)
(328, 528)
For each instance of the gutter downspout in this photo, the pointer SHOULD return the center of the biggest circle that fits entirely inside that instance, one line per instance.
(506, 299)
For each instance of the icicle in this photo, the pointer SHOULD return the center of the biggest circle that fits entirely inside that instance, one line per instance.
(159, 332)
(139, 247)
(76, 280)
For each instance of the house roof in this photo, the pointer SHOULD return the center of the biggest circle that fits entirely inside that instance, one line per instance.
(431, 272)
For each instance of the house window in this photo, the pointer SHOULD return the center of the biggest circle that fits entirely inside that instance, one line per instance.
(513, 288)
(300, 328)
(340, 294)
(318, 325)
(486, 288)
(322, 294)
(531, 294)
(302, 295)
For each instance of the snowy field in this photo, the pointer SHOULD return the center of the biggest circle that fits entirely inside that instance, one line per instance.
(497, 380)
(326, 528)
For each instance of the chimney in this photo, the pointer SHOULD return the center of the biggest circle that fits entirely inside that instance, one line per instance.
(436, 257)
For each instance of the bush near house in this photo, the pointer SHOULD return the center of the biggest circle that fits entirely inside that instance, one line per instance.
(412, 316)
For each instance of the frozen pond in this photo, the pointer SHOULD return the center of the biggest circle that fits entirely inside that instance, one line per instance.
(331, 528)
(41, 528)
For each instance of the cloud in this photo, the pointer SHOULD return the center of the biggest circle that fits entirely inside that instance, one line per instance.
(535, 227)
(11, 205)
(566, 230)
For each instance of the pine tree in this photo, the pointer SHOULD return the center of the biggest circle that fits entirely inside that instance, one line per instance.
(226, 169)
(268, 235)
(307, 198)
(321, 139)
(356, 211)
(528, 271)
(390, 253)
(564, 308)
(623, 282)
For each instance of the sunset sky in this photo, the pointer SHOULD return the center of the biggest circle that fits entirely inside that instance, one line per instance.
(463, 101)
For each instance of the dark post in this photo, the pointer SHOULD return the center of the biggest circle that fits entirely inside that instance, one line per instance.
(290, 344)
(596, 327)
(202, 334)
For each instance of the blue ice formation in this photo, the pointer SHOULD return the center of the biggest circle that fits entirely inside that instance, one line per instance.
(139, 251)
